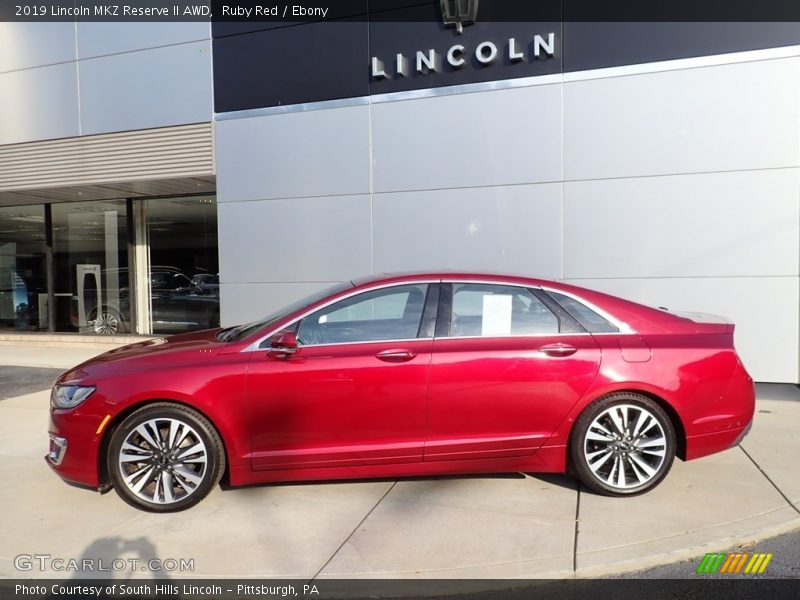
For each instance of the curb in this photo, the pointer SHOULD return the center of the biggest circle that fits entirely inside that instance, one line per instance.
(666, 558)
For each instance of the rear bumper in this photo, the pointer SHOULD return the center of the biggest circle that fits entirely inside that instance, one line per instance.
(726, 421)
(744, 433)
(702, 445)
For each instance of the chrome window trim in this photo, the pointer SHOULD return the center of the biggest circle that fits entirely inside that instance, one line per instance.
(364, 342)
(512, 335)
(255, 345)
(624, 328)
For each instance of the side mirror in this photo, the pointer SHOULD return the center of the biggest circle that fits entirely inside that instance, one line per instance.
(283, 344)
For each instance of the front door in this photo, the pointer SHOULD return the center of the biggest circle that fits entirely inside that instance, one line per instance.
(505, 372)
(354, 393)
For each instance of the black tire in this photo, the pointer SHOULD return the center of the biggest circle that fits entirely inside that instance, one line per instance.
(598, 460)
(189, 480)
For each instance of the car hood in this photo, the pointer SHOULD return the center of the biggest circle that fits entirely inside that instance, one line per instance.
(170, 351)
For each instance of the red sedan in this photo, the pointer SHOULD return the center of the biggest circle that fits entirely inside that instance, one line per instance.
(403, 375)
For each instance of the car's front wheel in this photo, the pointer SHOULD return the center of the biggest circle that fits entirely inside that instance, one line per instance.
(165, 457)
(623, 445)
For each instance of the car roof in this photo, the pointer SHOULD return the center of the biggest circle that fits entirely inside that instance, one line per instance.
(448, 275)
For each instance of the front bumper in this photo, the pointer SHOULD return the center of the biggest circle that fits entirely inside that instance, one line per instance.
(74, 446)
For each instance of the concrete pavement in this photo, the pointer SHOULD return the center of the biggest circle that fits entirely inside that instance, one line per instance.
(515, 526)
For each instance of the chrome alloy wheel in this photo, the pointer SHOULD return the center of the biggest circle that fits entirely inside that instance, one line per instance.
(625, 446)
(163, 460)
(106, 324)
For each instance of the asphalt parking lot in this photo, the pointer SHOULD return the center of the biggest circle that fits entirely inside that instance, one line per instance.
(18, 381)
(517, 526)
(785, 563)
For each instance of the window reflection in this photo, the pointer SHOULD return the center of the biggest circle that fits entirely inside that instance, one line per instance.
(92, 285)
(184, 263)
(90, 267)
(23, 279)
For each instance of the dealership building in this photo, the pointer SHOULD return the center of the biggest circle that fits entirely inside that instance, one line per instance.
(164, 177)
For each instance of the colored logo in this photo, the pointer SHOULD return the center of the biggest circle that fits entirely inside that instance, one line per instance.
(729, 563)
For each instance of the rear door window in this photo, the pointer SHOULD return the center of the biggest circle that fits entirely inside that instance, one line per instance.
(487, 310)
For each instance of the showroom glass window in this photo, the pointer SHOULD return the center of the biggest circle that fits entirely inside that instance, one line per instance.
(482, 310)
(392, 313)
(90, 267)
(23, 269)
(184, 263)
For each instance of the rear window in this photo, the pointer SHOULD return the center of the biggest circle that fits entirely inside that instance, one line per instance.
(592, 321)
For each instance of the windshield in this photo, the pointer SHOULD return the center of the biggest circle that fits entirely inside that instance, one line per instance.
(243, 331)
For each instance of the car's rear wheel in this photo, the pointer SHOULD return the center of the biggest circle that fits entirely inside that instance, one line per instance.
(623, 445)
(165, 457)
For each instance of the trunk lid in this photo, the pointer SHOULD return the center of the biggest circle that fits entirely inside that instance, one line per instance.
(707, 323)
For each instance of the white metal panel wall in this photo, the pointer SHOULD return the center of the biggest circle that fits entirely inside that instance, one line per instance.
(61, 80)
(105, 38)
(503, 137)
(156, 87)
(297, 155)
(508, 228)
(24, 45)
(682, 191)
(39, 104)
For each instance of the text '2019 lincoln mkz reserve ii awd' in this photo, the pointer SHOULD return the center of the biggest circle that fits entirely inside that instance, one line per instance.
(407, 375)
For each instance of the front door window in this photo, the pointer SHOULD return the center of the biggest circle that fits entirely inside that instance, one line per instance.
(393, 313)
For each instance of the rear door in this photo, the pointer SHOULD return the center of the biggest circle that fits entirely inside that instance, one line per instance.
(508, 365)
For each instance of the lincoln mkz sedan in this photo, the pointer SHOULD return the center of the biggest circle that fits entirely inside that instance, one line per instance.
(407, 375)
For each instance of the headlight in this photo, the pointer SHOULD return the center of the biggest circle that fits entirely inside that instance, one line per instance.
(69, 396)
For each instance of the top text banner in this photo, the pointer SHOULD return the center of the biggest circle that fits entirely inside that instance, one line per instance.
(300, 11)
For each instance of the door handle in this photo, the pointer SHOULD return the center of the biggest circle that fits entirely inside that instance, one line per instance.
(395, 355)
(558, 349)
